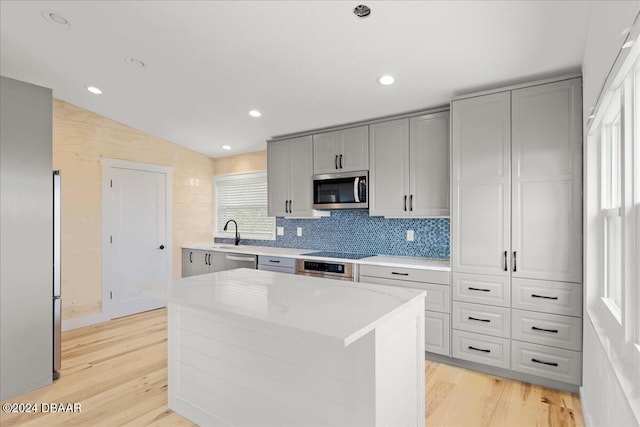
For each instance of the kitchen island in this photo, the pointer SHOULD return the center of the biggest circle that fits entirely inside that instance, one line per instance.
(258, 348)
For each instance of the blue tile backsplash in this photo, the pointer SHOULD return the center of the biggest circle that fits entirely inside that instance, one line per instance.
(353, 230)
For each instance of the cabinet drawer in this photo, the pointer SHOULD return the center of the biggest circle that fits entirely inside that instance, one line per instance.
(276, 261)
(483, 319)
(436, 332)
(437, 295)
(481, 348)
(492, 290)
(549, 362)
(410, 274)
(547, 329)
(549, 297)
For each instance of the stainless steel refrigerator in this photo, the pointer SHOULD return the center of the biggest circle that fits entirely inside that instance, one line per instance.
(57, 301)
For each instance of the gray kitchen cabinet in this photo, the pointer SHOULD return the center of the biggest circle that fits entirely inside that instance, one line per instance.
(195, 262)
(26, 206)
(437, 301)
(290, 172)
(516, 218)
(345, 150)
(409, 167)
(388, 168)
(277, 264)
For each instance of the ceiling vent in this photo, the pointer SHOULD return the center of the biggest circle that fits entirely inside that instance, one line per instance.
(362, 11)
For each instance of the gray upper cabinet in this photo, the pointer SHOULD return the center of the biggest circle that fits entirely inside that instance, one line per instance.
(480, 223)
(389, 168)
(429, 164)
(290, 166)
(345, 150)
(547, 181)
(409, 167)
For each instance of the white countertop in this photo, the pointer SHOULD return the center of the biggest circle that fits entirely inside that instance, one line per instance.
(381, 260)
(332, 308)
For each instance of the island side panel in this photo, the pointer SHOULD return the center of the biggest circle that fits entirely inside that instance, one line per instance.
(226, 371)
(400, 368)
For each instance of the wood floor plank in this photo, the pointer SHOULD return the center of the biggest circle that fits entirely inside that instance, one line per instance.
(117, 371)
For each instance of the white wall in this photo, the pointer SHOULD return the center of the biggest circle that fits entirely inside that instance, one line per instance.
(604, 401)
(26, 236)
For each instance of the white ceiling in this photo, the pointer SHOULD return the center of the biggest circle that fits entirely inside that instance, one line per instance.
(304, 64)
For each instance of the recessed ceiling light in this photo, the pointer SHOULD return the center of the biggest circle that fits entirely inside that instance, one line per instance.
(55, 18)
(386, 80)
(226, 147)
(255, 113)
(135, 62)
(94, 90)
(627, 44)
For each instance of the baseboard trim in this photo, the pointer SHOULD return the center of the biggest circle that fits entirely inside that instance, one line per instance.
(80, 322)
(501, 372)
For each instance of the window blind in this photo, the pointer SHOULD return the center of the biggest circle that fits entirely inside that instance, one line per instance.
(243, 198)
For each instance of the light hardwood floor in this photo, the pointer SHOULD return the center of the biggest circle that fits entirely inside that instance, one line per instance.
(117, 371)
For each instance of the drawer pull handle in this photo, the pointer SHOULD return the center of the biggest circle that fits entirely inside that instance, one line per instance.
(274, 260)
(544, 363)
(553, 331)
(479, 289)
(479, 320)
(399, 274)
(484, 350)
(542, 296)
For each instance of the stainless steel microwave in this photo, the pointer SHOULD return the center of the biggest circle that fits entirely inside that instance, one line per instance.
(347, 190)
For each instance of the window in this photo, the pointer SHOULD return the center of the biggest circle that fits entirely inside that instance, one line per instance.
(612, 192)
(243, 198)
(610, 186)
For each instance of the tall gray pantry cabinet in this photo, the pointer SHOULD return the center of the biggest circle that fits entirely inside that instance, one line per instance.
(26, 236)
(516, 227)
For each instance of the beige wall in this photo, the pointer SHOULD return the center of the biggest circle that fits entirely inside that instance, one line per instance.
(242, 163)
(80, 139)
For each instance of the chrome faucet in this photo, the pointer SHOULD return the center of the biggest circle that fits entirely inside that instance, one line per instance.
(237, 240)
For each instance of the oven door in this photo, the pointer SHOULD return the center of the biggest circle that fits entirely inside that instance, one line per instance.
(341, 191)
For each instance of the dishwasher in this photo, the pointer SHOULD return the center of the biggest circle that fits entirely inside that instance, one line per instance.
(221, 261)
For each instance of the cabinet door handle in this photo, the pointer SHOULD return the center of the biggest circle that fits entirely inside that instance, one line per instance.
(514, 262)
(399, 274)
(340, 161)
(405, 202)
(544, 363)
(479, 320)
(484, 350)
(411, 203)
(290, 208)
(553, 331)
(191, 257)
(336, 162)
(206, 257)
(505, 261)
(479, 289)
(543, 297)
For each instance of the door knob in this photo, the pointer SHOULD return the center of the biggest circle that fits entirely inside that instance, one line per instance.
(161, 247)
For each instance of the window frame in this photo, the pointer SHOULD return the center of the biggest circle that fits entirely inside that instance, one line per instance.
(243, 235)
(621, 97)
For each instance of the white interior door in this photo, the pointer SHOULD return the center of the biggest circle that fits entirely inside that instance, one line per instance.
(136, 228)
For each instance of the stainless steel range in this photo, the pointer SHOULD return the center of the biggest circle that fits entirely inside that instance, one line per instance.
(330, 269)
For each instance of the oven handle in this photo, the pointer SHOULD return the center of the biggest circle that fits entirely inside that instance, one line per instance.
(356, 183)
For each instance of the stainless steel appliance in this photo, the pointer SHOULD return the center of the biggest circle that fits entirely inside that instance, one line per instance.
(341, 190)
(229, 261)
(57, 300)
(328, 269)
